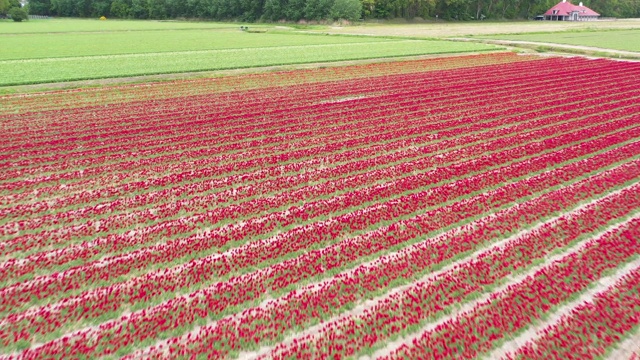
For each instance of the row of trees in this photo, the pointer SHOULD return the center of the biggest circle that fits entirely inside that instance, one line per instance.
(295, 10)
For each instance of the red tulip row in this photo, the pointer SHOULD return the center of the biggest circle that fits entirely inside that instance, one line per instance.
(216, 116)
(264, 224)
(121, 204)
(416, 126)
(244, 288)
(273, 100)
(227, 221)
(263, 112)
(91, 171)
(591, 328)
(476, 331)
(411, 307)
(129, 111)
(229, 84)
(300, 307)
(64, 234)
(315, 233)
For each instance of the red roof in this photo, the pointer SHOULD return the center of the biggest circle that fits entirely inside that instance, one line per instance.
(565, 8)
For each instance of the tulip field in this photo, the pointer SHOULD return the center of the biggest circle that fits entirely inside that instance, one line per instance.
(477, 206)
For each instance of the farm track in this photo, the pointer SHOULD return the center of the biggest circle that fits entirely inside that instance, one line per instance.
(360, 217)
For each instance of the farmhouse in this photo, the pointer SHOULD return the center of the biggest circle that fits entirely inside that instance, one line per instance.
(568, 12)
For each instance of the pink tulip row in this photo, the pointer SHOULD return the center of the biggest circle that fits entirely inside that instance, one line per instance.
(591, 328)
(238, 290)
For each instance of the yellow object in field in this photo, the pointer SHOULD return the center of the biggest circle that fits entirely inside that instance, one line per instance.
(103, 18)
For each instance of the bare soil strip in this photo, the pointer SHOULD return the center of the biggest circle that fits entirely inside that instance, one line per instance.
(627, 348)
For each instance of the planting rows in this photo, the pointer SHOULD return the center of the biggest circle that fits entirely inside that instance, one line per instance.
(617, 309)
(38, 102)
(427, 210)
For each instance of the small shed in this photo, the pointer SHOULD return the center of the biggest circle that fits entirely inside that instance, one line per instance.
(566, 11)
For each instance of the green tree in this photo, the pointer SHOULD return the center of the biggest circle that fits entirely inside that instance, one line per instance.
(4, 7)
(295, 10)
(139, 9)
(157, 9)
(346, 9)
(18, 14)
(64, 8)
(630, 8)
(367, 8)
(317, 9)
(83, 8)
(101, 8)
(176, 8)
(120, 9)
(274, 10)
(40, 7)
(383, 9)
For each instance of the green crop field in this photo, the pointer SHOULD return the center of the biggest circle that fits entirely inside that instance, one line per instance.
(627, 40)
(53, 45)
(94, 25)
(105, 66)
(91, 49)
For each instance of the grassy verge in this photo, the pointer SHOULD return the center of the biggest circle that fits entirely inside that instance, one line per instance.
(624, 40)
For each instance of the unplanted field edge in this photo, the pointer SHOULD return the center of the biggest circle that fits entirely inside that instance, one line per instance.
(160, 77)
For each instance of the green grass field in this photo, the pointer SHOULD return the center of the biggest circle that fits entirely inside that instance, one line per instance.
(92, 49)
(94, 25)
(106, 66)
(627, 40)
(54, 45)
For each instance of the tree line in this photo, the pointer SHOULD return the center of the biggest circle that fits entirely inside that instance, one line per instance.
(317, 10)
